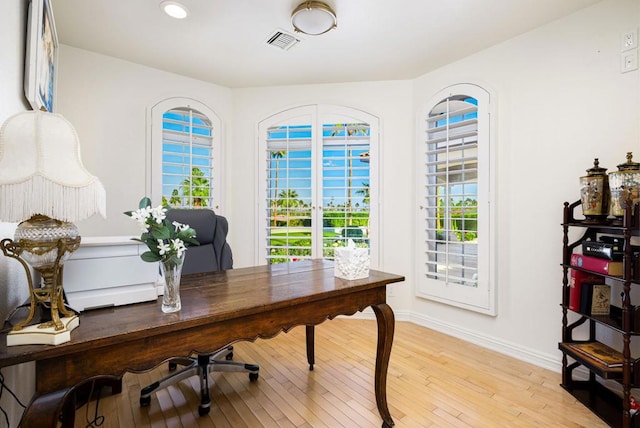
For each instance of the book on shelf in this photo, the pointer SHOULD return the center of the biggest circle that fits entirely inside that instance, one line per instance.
(601, 299)
(599, 352)
(595, 298)
(597, 265)
(576, 279)
(586, 295)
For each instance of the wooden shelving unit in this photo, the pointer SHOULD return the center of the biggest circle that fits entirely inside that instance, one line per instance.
(625, 320)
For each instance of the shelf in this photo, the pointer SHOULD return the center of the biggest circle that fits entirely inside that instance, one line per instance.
(595, 366)
(614, 319)
(607, 225)
(615, 278)
(613, 229)
(600, 400)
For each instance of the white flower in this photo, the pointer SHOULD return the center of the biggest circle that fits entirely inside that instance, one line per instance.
(178, 246)
(141, 214)
(163, 248)
(180, 227)
(158, 213)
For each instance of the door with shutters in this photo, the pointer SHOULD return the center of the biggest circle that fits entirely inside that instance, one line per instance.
(317, 183)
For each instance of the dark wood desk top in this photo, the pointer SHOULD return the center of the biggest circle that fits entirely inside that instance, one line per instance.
(207, 299)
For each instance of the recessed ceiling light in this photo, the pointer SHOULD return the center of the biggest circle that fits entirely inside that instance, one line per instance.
(174, 9)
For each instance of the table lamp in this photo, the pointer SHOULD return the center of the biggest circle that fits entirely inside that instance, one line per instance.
(44, 185)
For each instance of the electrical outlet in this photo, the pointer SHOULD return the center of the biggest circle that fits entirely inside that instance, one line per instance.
(391, 291)
(629, 61)
(629, 40)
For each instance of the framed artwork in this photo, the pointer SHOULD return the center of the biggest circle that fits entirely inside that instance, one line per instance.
(41, 57)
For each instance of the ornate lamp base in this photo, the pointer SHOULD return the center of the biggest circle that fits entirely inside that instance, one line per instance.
(44, 244)
(36, 335)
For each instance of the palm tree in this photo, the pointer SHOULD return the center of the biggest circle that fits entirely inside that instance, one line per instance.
(364, 192)
(289, 199)
(276, 155)
(197, 188)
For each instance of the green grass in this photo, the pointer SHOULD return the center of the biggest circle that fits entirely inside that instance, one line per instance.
(302, 234)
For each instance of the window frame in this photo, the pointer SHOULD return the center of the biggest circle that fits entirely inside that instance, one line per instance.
(155, 148)
(482, 298)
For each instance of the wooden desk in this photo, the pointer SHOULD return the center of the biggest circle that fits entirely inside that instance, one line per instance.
(217, 309)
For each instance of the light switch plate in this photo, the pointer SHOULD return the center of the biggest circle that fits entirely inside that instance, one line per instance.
(629, 61)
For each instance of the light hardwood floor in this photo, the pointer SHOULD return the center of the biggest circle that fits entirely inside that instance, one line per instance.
(434, 380)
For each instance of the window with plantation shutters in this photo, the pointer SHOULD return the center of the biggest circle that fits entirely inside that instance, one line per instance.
(317, 183)
(455, 215)
(184, 151)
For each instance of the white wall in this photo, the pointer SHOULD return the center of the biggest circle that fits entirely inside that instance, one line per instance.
(561, 101)
(106, 100)
(13, 18)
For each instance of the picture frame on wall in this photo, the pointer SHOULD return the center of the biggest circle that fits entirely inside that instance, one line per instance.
(41, 57)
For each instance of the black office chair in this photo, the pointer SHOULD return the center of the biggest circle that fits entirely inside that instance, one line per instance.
(211, 255)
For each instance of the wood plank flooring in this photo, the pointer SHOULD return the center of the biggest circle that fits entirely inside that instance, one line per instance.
(434, 380)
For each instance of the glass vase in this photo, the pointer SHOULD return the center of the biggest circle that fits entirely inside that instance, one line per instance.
(171, 272)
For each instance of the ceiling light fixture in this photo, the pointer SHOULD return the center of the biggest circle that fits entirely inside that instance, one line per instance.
(174, 9)
(313, 18)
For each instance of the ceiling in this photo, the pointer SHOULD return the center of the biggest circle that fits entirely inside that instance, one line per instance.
(224, 41)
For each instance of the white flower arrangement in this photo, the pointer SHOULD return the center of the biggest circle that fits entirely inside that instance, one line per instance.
(167, 241)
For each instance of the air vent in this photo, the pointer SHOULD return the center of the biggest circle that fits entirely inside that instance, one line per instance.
(283, 40)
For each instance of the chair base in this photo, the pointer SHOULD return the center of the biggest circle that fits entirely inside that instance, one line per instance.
(201, 366)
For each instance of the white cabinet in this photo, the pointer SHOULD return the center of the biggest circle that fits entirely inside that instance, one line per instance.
(108, 271)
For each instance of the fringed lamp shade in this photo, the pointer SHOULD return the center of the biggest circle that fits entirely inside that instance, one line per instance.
(45, 187)
(41, 171)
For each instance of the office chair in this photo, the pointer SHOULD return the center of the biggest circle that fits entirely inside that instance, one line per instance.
(211, 255)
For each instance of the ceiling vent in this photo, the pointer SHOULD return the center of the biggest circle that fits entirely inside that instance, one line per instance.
(283, 40)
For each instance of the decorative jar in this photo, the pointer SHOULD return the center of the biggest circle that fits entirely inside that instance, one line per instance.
(625, 186)
(594, 193)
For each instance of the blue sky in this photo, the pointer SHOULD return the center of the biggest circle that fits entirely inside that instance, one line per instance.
(294, 168)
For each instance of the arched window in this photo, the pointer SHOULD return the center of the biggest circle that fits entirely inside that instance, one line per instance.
(456, 216)
(185, 154)
(319, 183)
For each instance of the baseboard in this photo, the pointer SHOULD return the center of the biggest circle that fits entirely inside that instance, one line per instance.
(547, 361)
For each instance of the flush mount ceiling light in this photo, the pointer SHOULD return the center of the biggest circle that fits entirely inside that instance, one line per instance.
(174, 9)
(313, 18)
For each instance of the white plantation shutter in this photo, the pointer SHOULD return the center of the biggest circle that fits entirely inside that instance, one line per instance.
(345, 175)
(455, 215)
(451, 180)
(185, 154)
(187, 170)
(288, 193)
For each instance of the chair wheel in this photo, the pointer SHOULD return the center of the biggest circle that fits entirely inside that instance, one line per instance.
(253, 377)
(172, 366)
(229, 356)
(203, 410)
(145, 401)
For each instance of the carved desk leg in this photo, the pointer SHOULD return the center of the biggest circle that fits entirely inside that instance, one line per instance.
(386, 326)
(311, 359)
